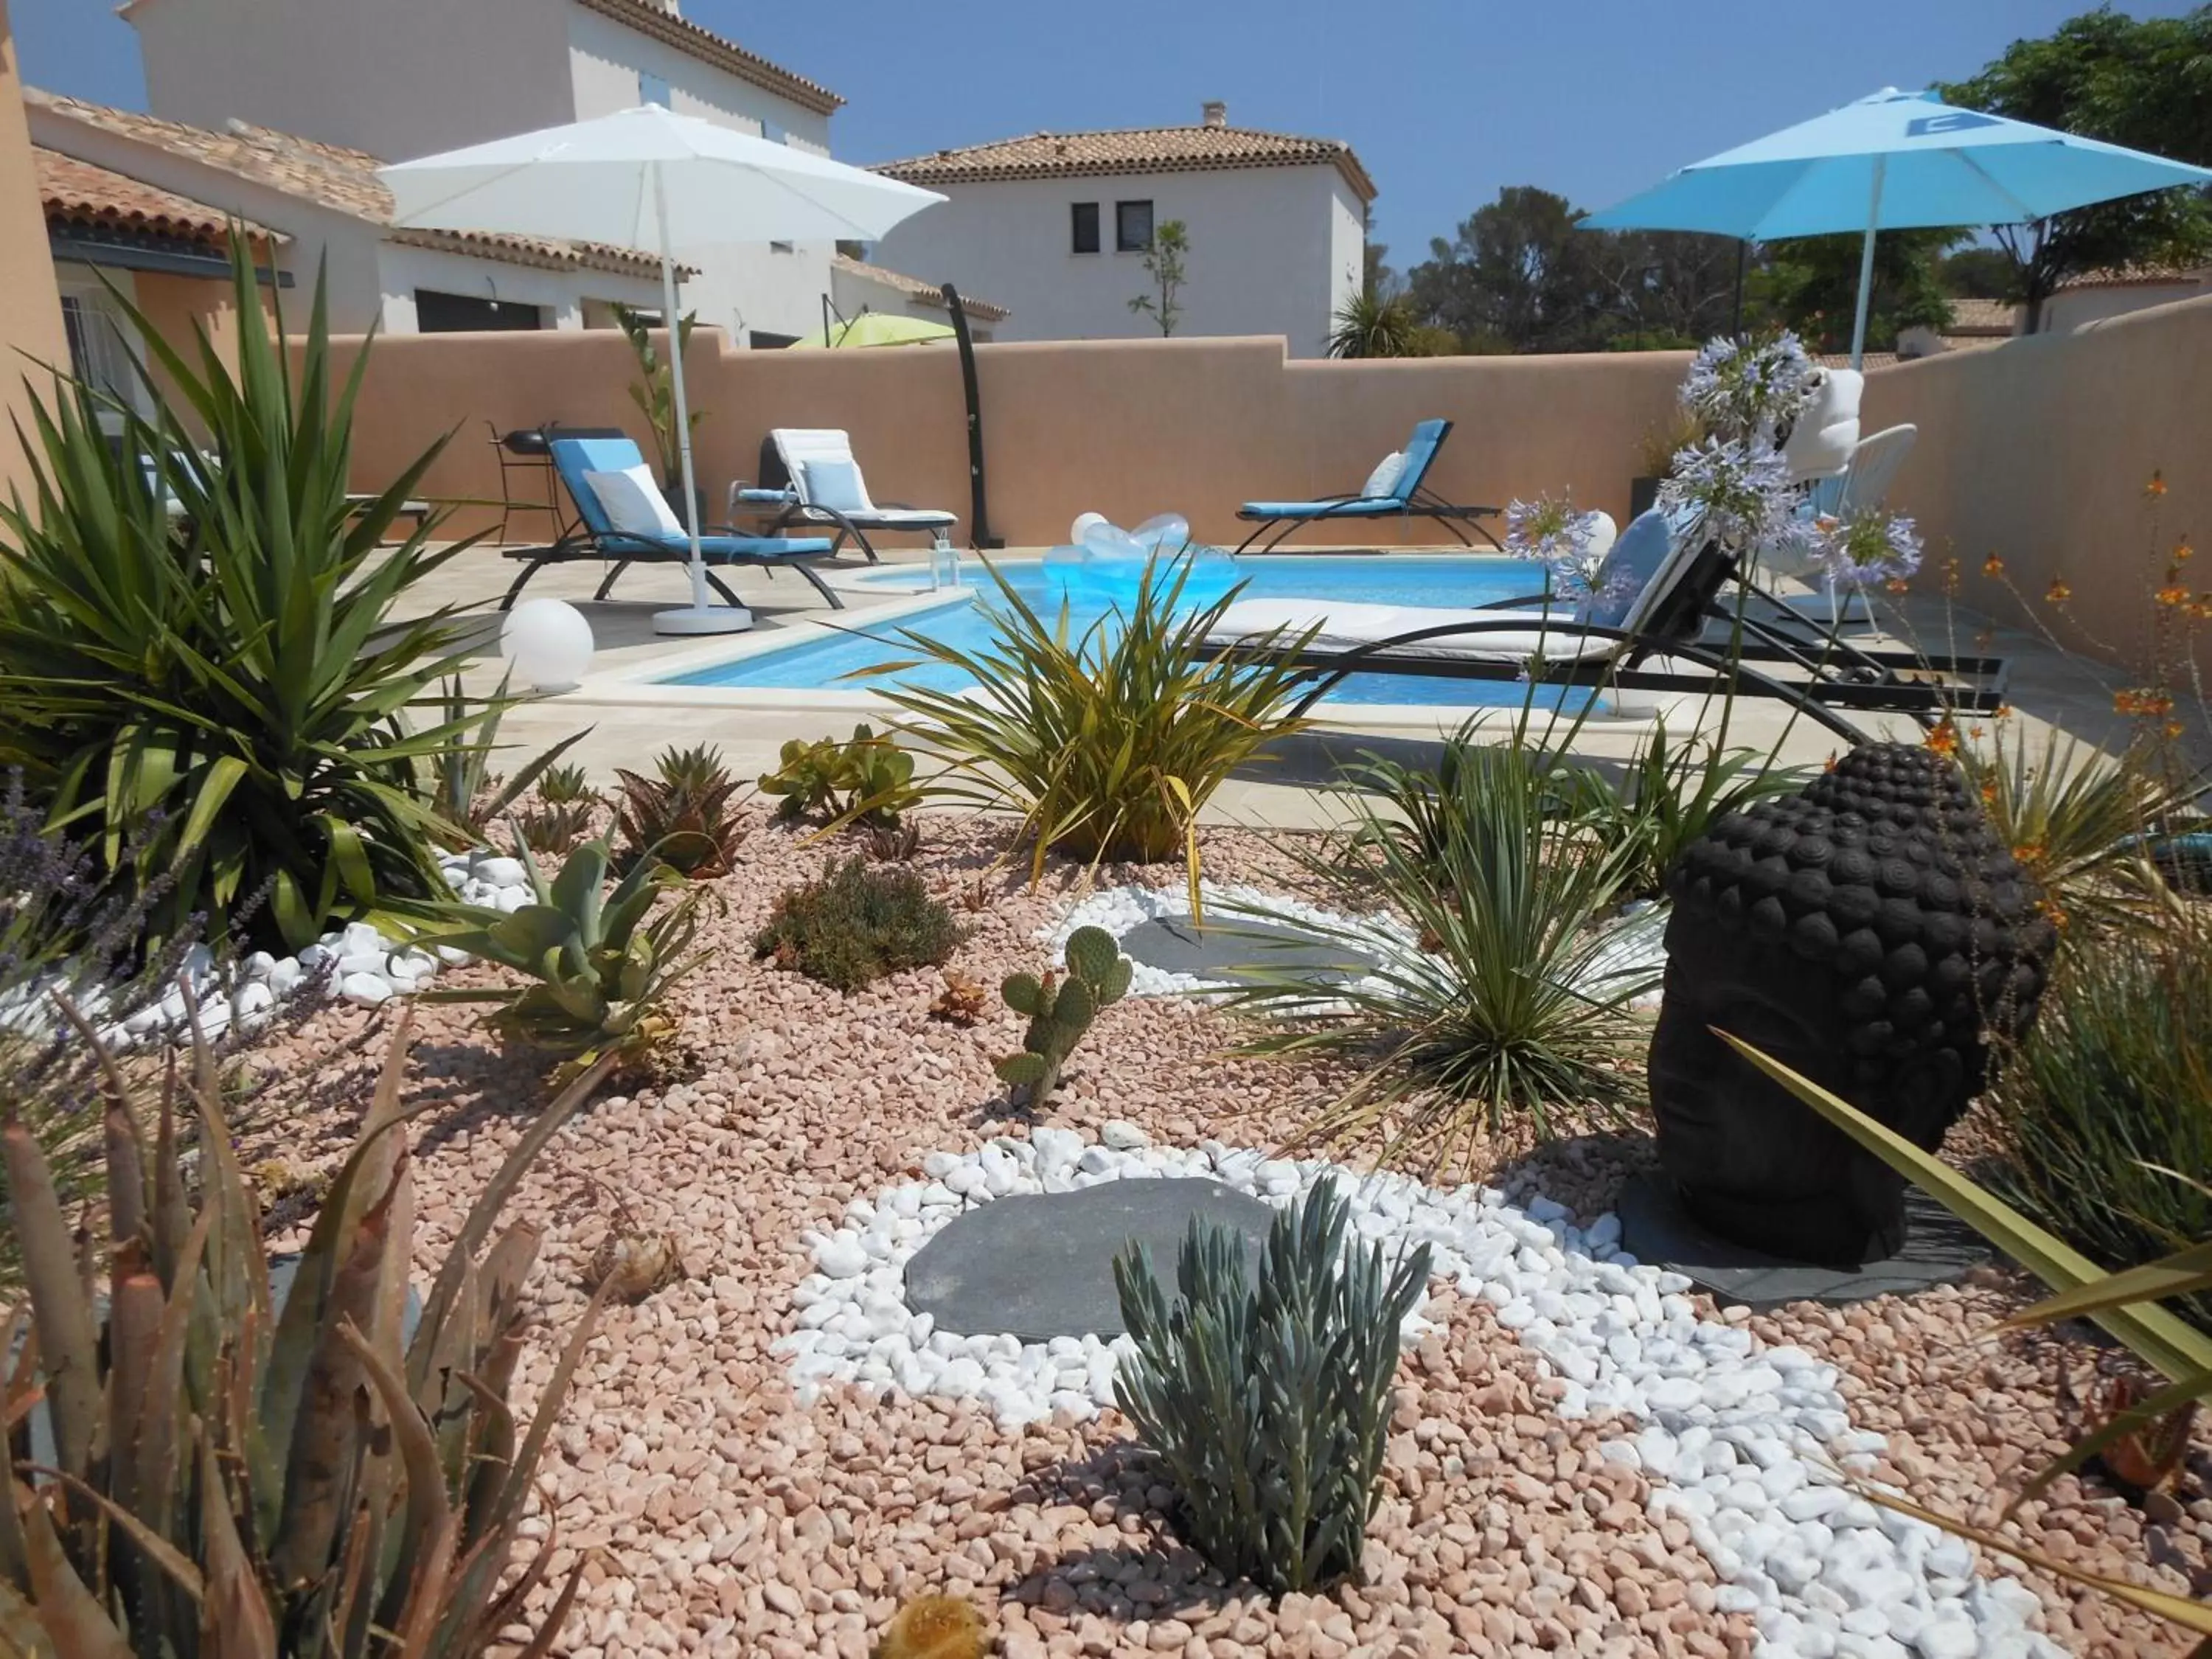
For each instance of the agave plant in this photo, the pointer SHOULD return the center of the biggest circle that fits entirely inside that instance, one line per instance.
(236, 671)
(237, 1470)
(604, 962)
(1108, 745)
(2127, 1305)
(681, 816)
(1671, 792)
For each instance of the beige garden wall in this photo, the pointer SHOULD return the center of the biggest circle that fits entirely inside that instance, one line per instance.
(1124, 427)
(31, 335)
(2039, 451)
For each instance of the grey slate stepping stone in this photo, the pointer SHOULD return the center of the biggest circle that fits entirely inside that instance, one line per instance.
(1239, 950)
(1654, 1228)
(1041, 1265)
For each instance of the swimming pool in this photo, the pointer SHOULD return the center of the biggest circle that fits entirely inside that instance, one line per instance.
(1391, 579)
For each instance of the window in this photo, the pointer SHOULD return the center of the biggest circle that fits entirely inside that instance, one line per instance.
(774, 134)
(99, 355)
(761, 340)
(783, 247)
(461, 313)
(651, 89)
(1086, 226)
(1133, 227)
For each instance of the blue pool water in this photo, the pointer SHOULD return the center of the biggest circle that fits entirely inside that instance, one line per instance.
(1393, 579)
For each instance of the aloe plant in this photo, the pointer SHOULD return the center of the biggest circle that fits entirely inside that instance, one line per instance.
(682, 814)
(231, 1476)
(603, 962)
(468, 794)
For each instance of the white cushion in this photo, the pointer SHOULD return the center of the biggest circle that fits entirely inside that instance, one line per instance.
(1383, 480)
(1819, 445)
(1340, 625)
(837, 485)
(632, 501)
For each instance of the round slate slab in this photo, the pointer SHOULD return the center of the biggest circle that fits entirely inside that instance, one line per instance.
(1239, 950)
(1658, 1231)
(1041, 1265)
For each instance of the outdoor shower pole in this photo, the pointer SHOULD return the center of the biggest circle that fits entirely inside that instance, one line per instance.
(980, 536)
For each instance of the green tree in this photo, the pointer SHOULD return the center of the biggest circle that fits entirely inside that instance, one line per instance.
(1978, 273)
(1811, 284)
(653, 391)
(1164, 264)
(2145, 82)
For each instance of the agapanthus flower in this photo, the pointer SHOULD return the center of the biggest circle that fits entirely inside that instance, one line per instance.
(1553, 534)
(1748, 391)
(1871, 546)
(1741, 492)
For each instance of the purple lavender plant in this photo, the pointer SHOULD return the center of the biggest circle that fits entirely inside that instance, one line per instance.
(1870, 546)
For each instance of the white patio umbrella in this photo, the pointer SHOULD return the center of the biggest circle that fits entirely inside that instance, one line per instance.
(1890, 161)
(650, 178)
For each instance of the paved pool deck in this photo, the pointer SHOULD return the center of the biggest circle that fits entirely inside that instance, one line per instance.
(630, 718)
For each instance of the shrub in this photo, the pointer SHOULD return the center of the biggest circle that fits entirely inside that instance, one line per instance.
(857, 923)
(681, 816)
(1671, 793)
(1500, 1014)
(1110, 744)
(866, 780)
(245, 1486)
(605, 962)
(1098, 976)
(1270, 1403)
(2108, 1094)
(240, 674)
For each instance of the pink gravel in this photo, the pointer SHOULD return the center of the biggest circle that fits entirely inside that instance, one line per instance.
(716, 1514)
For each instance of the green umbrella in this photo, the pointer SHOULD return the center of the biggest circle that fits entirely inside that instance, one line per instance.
(875, 328)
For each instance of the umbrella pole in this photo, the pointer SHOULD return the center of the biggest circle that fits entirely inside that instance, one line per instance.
(1866, 266)
(703, 616)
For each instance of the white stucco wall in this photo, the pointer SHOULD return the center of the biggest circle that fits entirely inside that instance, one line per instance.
(742, 286)
(1265, 248)
(2064, 311)
(398, 78)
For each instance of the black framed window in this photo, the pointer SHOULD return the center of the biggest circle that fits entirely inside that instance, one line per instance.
(455, 313)
(1085, 221)
(1133, 227)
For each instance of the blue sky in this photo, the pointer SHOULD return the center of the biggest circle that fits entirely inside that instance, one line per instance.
(1445, 101)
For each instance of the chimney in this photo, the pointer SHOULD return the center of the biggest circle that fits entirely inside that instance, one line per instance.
(1217, 112)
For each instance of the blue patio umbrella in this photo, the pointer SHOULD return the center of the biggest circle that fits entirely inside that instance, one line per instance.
(1895, 161)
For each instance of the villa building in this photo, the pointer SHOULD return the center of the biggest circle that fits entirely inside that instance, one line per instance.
(404, 78)
(1055, 225)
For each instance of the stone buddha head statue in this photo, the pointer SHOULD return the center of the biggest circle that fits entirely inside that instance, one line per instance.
(1872, 933)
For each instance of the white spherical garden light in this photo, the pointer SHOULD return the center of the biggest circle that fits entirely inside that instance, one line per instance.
(1082, 527)
(547, 643)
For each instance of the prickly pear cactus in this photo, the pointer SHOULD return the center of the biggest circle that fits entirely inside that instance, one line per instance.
(1060, 1010)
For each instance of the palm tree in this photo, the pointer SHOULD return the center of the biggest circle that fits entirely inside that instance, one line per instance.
(1369, 325)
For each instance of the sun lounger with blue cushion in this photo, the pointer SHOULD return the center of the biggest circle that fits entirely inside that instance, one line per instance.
(624, 520)
(1395, 489)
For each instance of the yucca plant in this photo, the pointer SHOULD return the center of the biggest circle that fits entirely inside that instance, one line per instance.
(1671, 792)
(2079, 820)
(1270, 1402)
(604, 962)
(1503, 1014)
(470, 796)
(232, 1475)
(2126, 1305)
(2112, 1090)
(1373, 325)
(682, 814)
(1108, 743)
(237, 671)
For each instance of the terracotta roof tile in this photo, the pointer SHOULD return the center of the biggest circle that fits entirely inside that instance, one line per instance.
(672, 28)
(332, 176)
(1983, 317)
(1136, 150)
(76, 191)
(928, 293)
(2137, 275)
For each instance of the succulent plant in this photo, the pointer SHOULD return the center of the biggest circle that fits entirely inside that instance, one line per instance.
(856, 924)
(565, 785)
(935, 1628)
(555, 828)
(1060, 1010)
(681, 816)
(894, 843)
(960, 1001)
(235, 1473)
(470, 796)
(866, 780)
(604, 962)
(1270, 1402)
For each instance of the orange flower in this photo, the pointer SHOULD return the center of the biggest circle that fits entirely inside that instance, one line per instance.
(1897, 585)
(1989, 792)
(2173, 729)
(1993, 566)
(2156, 487)
(1950, 575)
(1944, 738)
(2171, 596)
(2143, 701)
(1829, 765)
(2004, 711)
(2029, 853)
(2183, 552)
(2058, 593)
